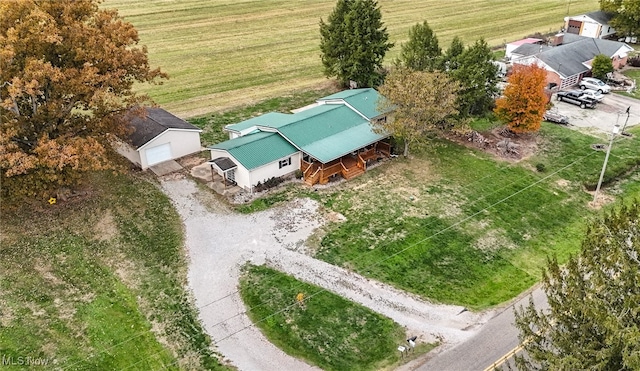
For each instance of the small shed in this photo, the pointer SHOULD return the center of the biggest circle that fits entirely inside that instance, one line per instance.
(159, 136)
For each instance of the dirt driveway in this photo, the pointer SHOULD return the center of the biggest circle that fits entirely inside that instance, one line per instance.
(604, 116)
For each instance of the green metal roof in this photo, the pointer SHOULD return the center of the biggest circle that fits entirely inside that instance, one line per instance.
(321, 122)
(325, 132)
(342, 143)
(271, 119)
(255, 150)
(364, 101)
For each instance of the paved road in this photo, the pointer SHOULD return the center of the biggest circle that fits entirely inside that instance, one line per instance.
(494, 340)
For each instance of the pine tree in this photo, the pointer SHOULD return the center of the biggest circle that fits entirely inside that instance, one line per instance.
(593, 321)
(354, 43)
(478, 77)
(421, 52)
(450, 58)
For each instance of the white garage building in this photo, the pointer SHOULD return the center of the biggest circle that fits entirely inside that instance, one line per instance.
(159, 136)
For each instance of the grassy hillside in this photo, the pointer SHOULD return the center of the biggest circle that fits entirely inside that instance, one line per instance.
(97, 283)
(226, 53)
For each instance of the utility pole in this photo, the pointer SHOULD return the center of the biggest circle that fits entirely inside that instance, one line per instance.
(616, 127)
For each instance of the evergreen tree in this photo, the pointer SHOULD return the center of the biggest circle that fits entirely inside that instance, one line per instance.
(477, 76)
(354, 42)
(601, 66)
(593, 320)
(421, 52)
(450, 58)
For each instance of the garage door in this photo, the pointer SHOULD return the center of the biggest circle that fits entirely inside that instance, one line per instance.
(158, 154)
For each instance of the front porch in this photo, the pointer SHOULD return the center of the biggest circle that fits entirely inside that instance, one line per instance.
(348, 166)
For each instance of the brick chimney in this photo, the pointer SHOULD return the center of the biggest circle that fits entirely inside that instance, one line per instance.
(557, 39)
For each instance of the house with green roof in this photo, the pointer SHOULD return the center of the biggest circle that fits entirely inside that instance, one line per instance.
(333, 137)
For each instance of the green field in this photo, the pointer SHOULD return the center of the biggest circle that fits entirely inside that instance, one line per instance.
(226, 53)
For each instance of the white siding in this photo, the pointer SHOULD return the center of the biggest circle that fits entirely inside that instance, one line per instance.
(590, 29)
(248, 179)
(273, 169)
(182, 143)
(127, 151)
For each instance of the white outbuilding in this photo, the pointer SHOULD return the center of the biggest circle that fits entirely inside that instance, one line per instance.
(159, 136)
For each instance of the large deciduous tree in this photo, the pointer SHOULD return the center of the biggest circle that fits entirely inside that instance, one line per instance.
(478, 75)
(601, 66)
(626, 19)
(66, 71)
(593, 320)
(524, 100)
(422, 103)
(421, 52)
(354, 43)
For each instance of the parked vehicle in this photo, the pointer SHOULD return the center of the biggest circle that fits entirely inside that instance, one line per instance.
(576, 97)
(595, 84)
(594, 94)
(558, 118)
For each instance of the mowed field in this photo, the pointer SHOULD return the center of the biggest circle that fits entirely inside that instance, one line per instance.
(227, 53)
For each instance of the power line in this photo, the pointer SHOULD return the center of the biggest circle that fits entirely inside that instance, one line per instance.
(407, 248)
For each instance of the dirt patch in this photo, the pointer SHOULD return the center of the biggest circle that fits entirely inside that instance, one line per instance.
(493, 240)
(106, 228)
(6, 314)
(500, 143)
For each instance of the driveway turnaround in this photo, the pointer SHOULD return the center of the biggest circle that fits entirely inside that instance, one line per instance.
(600, 120)
(220, 242)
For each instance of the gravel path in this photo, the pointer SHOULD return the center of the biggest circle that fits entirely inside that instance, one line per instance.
(220, 242)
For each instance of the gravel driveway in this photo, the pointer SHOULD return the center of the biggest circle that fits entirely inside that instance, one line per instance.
(219, 242)
(604, 116)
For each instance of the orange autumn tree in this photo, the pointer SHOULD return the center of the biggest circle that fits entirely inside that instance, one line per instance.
(524, 101)
(67, 69)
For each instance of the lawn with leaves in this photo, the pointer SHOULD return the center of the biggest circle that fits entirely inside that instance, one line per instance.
(98, 283)
(324, 329)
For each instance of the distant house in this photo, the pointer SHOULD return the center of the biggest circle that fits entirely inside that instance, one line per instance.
(594, 24)
(570, 60)
(333, 137)
(510, 47)
(157, 137)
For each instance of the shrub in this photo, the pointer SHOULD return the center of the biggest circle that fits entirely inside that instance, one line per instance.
(540, 167)
(269, 183)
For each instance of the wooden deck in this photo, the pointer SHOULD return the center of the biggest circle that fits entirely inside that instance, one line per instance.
(349, 166)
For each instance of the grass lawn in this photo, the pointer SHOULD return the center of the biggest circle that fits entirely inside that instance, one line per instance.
(227, 53)
(327, 330)
(633, 74)
(98, 284)
(454, 225)
(469, 229)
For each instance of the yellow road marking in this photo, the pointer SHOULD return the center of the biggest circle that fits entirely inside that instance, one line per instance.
(504, 358)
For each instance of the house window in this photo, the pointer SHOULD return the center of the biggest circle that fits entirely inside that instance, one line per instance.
(285, 162)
